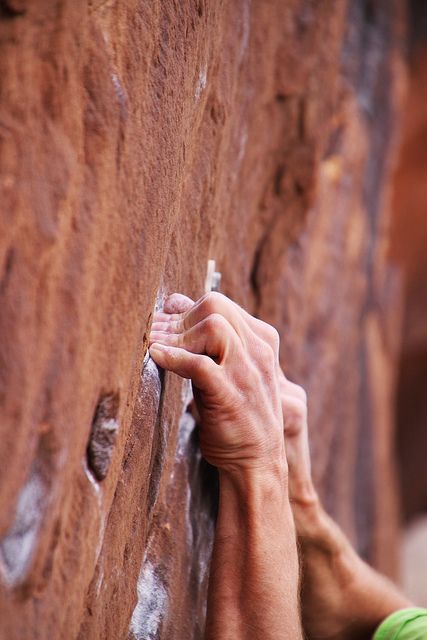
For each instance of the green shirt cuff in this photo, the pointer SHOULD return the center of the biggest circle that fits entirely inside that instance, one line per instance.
(407, 624)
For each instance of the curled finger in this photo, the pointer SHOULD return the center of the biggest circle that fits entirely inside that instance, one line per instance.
(212, 336)
(201, 369)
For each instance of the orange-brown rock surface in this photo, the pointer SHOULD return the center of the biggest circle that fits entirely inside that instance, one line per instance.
(138, 139)
(409, 249)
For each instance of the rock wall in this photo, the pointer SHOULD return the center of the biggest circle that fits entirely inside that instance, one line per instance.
(138, 140)
(409, 242)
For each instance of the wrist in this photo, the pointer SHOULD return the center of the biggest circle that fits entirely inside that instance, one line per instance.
(261, 477)
(255, 498)
(311, 521)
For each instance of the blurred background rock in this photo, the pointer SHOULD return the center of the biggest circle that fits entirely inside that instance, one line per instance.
(409, 248)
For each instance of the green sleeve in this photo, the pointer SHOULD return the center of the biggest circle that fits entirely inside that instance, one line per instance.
(407, 624)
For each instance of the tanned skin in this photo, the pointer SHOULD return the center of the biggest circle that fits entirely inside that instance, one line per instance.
(342, 597)
(232, 361)
(267, 497)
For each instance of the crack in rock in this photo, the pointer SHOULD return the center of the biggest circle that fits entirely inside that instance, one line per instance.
(103, 435)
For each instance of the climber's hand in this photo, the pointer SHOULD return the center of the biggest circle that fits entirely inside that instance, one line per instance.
(294, 408)
(233, 363)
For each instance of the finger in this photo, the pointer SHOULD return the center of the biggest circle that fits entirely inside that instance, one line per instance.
(161, 316)
(209, 304)
(214, 303)
(168, 325)
(259, 327)
(174, 306)
(292, 389)
(297, 449)
(201, 369)
(177, 303)
(213, 336)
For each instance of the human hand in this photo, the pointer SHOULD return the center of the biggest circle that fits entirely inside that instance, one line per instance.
(352, 598)
(303, 496)
(232, 360)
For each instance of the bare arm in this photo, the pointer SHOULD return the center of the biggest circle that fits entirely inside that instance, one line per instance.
(253, 590)
(254, 569)
(342, 597)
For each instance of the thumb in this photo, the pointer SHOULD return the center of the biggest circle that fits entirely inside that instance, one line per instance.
(201, 369)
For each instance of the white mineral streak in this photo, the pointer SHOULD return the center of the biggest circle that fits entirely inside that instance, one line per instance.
(186, 427)
(102, 525)
(188, 524)
(242, 147)
(110, 425)
(99, 582)
(151, 606)
(160, 299)
(246, 28)
(93, 483)
(98, 497)
(18, 545)
(186, 393)
(152, 601)
(118, 88)
(151, 379)
(201, 82)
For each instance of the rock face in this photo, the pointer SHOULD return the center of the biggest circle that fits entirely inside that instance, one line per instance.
(139, 139)
(409, 242)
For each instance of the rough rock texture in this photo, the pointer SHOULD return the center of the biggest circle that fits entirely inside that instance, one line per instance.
(409, 242)
(138, 139)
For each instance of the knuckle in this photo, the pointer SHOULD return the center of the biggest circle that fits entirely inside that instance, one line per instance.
(301, 408)
(212, 301)
(215, 323)
(207, 371)
(301, 393)
(177, 326)
(263, 357)
(294, 390)
(270, 335)
(274, 338)
(180, 340)
(295, 410)
(267, 353)
(199, 365)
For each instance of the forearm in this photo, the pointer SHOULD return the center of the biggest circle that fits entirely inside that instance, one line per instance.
(358, 598)
(253, 586)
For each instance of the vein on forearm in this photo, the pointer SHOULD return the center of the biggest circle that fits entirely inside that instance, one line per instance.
(254, 580)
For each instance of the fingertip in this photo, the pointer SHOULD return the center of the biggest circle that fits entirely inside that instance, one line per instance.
(158, 352)
(177, 303)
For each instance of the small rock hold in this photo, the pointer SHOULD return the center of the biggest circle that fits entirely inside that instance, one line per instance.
(103, 435)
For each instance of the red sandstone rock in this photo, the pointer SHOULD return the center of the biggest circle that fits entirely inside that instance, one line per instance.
(137, 141)
(409, 242)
